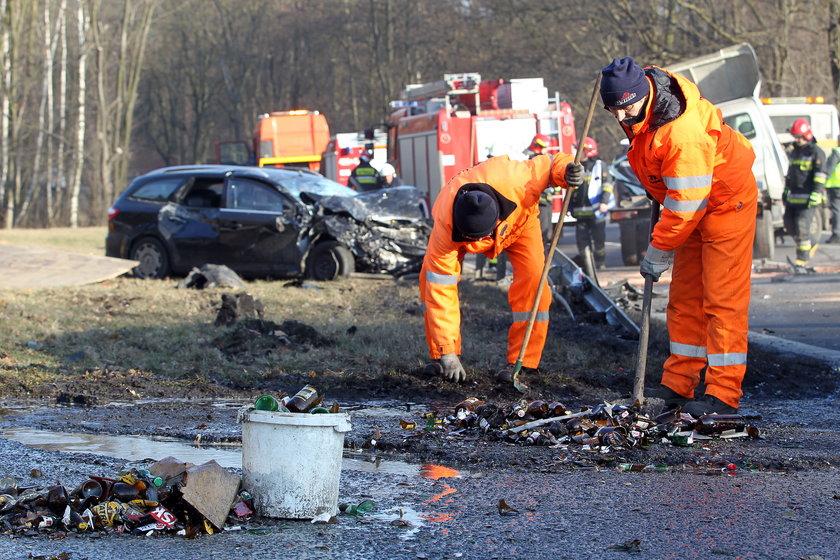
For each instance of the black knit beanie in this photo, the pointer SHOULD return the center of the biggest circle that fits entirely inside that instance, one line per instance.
(474, 213)
(623, 82)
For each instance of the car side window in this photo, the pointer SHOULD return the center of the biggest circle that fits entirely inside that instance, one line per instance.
(743, 124)
(245, 194)
(158, 191)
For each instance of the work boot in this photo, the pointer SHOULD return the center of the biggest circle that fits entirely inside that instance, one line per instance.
(672, 398)
(833, 240)
(708, 404)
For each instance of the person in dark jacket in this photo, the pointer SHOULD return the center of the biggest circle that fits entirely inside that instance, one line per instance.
(365, 177)
(590, 203)
(803, 189)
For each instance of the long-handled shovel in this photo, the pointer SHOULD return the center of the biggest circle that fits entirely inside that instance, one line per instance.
(558, 229)
(644, 327)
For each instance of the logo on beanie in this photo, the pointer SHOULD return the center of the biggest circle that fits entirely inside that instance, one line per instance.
(626, 98)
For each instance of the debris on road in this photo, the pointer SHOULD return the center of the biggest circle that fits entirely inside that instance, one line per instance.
(170, 497)
(212, 276)
(600, 428)
(239, 306)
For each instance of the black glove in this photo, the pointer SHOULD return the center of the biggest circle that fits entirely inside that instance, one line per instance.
(574, 175)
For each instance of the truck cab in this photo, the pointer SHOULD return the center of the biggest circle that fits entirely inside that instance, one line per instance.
(295, 138)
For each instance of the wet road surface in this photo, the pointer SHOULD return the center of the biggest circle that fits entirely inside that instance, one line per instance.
(448, 513)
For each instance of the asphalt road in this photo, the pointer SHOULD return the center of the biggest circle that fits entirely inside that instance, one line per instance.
(575, 515)
(801, 308)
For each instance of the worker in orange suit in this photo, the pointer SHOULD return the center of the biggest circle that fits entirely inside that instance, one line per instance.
(700, 170)
(490, 208)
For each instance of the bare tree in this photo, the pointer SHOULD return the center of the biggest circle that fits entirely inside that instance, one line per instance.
(119, 39)
(81, 114)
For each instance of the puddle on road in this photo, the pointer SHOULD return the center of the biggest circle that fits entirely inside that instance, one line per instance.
(134, 448)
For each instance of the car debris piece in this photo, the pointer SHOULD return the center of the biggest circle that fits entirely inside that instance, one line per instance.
(569, 284)
(239, 306)
(210, 489)
(212, 276)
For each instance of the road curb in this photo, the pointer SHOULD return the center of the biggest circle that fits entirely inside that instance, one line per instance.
(813, 355)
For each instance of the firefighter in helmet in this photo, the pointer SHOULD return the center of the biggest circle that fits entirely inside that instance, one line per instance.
(590, 203)
(804, 186)
(490, 208)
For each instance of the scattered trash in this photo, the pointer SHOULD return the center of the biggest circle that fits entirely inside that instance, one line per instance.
(505, 509)
(356, 509)
(325, 517)
(212, 276)
(600, 428)
(629, 546)
(307, 400)
(170, 497)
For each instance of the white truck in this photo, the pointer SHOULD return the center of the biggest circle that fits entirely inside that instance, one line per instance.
(822, 116)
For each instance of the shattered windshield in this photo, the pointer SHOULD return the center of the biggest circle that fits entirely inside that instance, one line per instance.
(313, 184)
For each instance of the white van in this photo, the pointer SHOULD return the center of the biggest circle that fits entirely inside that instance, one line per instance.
(730, 79)
(822, 117)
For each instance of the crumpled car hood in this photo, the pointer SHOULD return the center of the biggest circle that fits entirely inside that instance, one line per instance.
(387, 230)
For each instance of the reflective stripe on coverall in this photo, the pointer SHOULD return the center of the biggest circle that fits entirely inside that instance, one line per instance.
(701, 171)
(518, 234)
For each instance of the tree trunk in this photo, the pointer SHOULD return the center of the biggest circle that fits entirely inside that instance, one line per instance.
(6, 195)
(81, 113)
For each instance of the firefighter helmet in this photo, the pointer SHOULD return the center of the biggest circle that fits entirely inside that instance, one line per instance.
(539, 143)
(590, 147)
(801, 127)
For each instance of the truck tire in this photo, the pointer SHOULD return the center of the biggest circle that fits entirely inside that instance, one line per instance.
(634, 240)
(154, 262)
(764, 246)
(330, 260)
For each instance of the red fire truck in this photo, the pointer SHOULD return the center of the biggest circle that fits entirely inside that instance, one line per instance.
(443, 127)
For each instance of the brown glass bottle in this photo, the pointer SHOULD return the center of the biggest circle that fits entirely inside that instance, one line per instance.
(717, 423)
(303, 400)
(537, 409)
(469, 404)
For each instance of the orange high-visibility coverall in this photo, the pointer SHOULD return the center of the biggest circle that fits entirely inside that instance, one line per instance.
(701, 171)
(519, 183)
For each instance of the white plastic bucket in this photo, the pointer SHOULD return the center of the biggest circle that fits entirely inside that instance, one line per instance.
(291, 463)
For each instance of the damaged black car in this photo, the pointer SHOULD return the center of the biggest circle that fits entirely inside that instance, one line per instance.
(265, 222)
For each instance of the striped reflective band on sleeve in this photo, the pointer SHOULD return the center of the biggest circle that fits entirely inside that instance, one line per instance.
(685, 205)
(688, 350)
(729, 359)
(445, 279)
(693, 182)
(521, 316)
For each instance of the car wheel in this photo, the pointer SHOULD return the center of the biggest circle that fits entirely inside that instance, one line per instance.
(330, 260)
(154, 262)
